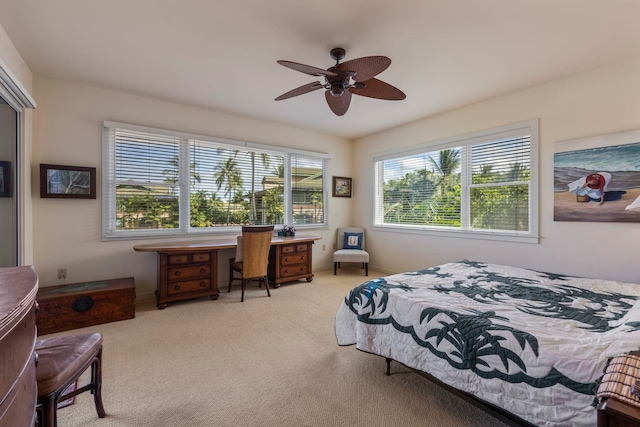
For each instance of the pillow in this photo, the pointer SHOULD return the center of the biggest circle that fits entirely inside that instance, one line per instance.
(239, 256)
(352, 241)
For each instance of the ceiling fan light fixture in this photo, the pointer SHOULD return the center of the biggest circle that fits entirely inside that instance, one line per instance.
(355, 76)
(337, 90)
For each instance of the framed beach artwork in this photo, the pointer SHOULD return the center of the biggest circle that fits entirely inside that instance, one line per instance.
(597, 178)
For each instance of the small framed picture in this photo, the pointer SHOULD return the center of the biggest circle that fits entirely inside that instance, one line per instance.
(5, 179)
(342, 186)
(69, 182)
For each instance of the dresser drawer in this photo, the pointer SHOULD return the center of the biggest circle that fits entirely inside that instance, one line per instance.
(188, 272)
(181, 259)
(294, 259)
(288, 249)
(188, 286)
(17, 347)
(294, 270)
(178, 259)
(17, 409)
(201, 257)
(298, 247)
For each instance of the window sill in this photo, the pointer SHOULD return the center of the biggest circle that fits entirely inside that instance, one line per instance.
(461, 234)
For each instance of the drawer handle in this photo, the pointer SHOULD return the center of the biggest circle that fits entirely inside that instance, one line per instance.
(302, 258)
(286, 260)
(82, 303)
(286, 271)
(176, 287)
(177, 273)
(203, 270)
(202, 284)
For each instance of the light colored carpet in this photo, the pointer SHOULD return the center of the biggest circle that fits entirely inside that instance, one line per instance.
(265, 362)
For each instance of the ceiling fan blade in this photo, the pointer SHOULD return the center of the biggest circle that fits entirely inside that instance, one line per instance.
(307, 69)
(338, 104)
(366, 67)
(310, 87)
(378, 89)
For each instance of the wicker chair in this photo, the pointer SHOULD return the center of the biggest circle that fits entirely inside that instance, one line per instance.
(252, 256)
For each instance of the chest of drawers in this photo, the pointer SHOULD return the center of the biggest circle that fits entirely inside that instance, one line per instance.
(18, 388)
(289, 262)
(186, 275)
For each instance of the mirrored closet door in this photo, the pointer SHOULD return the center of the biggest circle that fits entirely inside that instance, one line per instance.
(8, 185)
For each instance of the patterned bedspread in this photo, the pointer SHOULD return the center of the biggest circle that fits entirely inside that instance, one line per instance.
(533, 343)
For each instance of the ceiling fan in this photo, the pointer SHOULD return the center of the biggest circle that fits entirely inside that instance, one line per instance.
(355, 76)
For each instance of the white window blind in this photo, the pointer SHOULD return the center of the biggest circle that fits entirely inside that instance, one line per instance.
(484, 184)
(307, 190)
(164, 182)
(499, 188)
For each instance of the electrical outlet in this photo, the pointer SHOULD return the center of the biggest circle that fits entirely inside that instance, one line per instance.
(62, 273)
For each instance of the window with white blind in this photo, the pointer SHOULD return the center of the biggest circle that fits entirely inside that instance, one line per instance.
(158, 182)
(482, 185)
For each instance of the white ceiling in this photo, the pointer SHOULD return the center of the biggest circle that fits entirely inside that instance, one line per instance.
(221, 54)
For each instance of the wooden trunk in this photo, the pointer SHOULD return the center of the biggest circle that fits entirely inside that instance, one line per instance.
(78, 305)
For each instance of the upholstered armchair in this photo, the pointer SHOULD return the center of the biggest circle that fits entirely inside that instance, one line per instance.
(351, 248)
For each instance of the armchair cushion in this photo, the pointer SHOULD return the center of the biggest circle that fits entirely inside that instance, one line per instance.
(350, 255)
(352, 241)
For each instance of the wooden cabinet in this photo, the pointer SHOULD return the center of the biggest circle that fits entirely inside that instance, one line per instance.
(186, 275)
(614, 413)
(18, 387)
(289, 262)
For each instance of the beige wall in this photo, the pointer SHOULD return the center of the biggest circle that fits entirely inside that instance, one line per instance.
(68, 125)
(11, 57)
(596, 102)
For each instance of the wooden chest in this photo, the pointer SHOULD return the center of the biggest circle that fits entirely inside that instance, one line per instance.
(78, 305)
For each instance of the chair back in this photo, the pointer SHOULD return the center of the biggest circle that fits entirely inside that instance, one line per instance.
(256, 241)
(341, 231)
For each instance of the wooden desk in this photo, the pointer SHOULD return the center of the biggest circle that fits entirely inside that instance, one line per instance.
(190, 269)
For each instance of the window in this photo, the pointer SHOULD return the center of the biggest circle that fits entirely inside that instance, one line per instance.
(482, 185)
(159, 182)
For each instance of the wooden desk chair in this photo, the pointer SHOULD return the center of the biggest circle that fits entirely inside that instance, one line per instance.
(61, 361)
(252, 256)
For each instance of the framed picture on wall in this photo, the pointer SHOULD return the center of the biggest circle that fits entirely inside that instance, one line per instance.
(5, 179)
(70, 182)
(597, 178)
(341, 186)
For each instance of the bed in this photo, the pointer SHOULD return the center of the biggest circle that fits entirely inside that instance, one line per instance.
(534, 344)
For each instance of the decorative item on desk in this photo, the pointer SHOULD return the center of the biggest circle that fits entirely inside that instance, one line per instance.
(288, 230)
